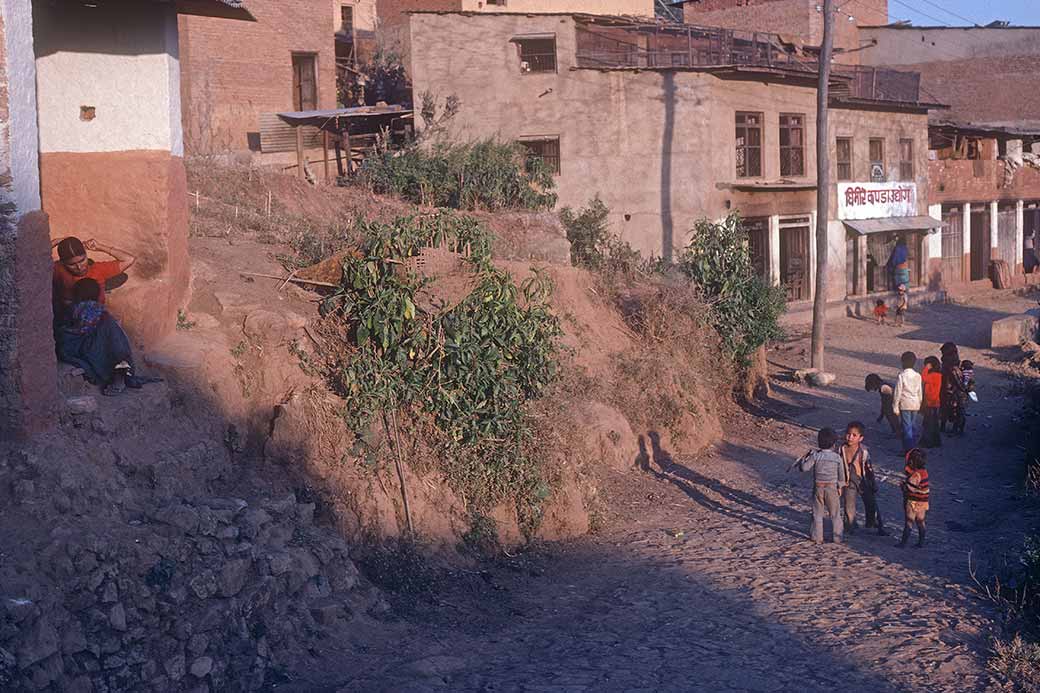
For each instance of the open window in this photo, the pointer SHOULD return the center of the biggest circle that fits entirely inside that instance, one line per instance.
(537, 53)
(749, 144)
(544, 149)
(792, 144)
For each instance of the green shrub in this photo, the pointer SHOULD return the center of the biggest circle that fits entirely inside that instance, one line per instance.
(593, 246)
(487, 175)
(745, 309)
(469, 371)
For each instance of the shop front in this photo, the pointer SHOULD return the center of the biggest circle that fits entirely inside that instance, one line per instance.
(886, 241)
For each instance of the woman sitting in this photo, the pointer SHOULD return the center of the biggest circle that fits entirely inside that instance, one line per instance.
(91, 339)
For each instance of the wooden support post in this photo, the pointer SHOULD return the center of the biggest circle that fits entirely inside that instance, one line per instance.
(299, 151)
(325, 153)
(339, 154)
(346, 146)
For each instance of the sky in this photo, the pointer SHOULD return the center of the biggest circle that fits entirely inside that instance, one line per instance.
(956, 12)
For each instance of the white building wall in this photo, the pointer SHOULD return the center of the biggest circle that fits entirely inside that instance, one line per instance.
(117, 59)
(23, 155)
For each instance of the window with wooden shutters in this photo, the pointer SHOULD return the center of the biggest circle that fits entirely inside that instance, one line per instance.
(537, 53)
(546, 149)
(843, 157)
(906, 159)
(305, 82)
(877, 160)
(792, 144)
(749, 144)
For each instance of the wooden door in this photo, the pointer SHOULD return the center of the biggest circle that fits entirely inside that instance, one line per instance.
(305, 82)
(757, 229)
(952, 245)
(794, 262)
(980, 245)
(1007, 233)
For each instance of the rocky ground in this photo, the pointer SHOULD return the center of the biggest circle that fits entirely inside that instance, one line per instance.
(702, 578)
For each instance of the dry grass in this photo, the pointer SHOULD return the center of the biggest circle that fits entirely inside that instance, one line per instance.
(1016, 663)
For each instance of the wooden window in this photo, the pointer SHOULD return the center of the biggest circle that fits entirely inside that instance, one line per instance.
(346, 20)
(877, 159)
(497, 3)
(906, 159)
(757, 229)
(792, 144)
(749, 144)
(305, 82)
(844, 158)
(537, 54)
(547, 149)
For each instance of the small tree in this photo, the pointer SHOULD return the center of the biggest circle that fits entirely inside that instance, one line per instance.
(593, 246)
(745, 309)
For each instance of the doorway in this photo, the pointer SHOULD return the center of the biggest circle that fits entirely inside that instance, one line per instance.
(952, 245)
(794, 261)
(305, 81)
(980, 244)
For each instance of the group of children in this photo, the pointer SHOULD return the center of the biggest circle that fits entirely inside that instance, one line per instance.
(841, 473)
(902, 306)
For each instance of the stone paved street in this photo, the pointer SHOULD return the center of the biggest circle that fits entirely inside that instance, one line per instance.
(702, 577)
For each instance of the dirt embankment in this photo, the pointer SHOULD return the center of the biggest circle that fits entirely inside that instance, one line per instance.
(640, 374)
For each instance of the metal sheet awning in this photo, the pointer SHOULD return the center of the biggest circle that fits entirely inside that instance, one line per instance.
(888, 224)
(329, 119)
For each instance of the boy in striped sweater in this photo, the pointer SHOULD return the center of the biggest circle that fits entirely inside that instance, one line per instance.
(915, 495)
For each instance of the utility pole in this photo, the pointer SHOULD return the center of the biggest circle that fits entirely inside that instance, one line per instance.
(823, 187)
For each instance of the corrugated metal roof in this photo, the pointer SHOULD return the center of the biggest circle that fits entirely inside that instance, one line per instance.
(888, 224)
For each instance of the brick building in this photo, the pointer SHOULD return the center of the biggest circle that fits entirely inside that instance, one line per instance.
(669, 123)
(984, 174)
(237, 75)
(90, 145)
(795, 19)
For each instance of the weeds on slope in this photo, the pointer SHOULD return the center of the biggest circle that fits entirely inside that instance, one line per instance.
(464, 370)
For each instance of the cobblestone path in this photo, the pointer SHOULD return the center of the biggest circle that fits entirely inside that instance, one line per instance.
(703, 579)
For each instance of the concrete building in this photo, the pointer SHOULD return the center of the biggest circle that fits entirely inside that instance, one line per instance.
(91, 145)
(237, 75)
(799, 20)
(668, 124)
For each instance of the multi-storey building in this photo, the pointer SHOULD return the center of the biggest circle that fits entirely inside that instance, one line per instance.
(671, 123)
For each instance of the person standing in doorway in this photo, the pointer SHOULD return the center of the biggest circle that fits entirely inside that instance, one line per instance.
(907, 399)
(899, 263)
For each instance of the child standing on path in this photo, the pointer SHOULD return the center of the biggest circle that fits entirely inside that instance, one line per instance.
(902, 305)
(931, 377)
(874, 383)
(829, 479)
(880, 311)
(907, 399)
(954, 396)
(861, 480)
(915, 495)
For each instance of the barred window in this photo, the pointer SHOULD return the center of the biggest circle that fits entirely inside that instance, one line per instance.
(547, 149)
(537, 54)
(906, 159)
(843, 150)
(749, 144)
(792, 144)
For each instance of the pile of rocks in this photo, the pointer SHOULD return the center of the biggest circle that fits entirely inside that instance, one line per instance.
(124, 583)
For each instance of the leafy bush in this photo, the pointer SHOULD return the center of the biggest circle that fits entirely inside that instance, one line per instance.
(745, 309)
(468, 370)
(381, 78)
(480, 175)
(593, 246)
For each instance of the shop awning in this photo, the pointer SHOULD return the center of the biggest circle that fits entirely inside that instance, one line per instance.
(888, 224)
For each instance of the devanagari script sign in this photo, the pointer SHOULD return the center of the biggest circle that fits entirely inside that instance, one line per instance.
(875, 200)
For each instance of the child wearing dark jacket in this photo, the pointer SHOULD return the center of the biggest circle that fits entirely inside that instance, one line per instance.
(874, 383)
